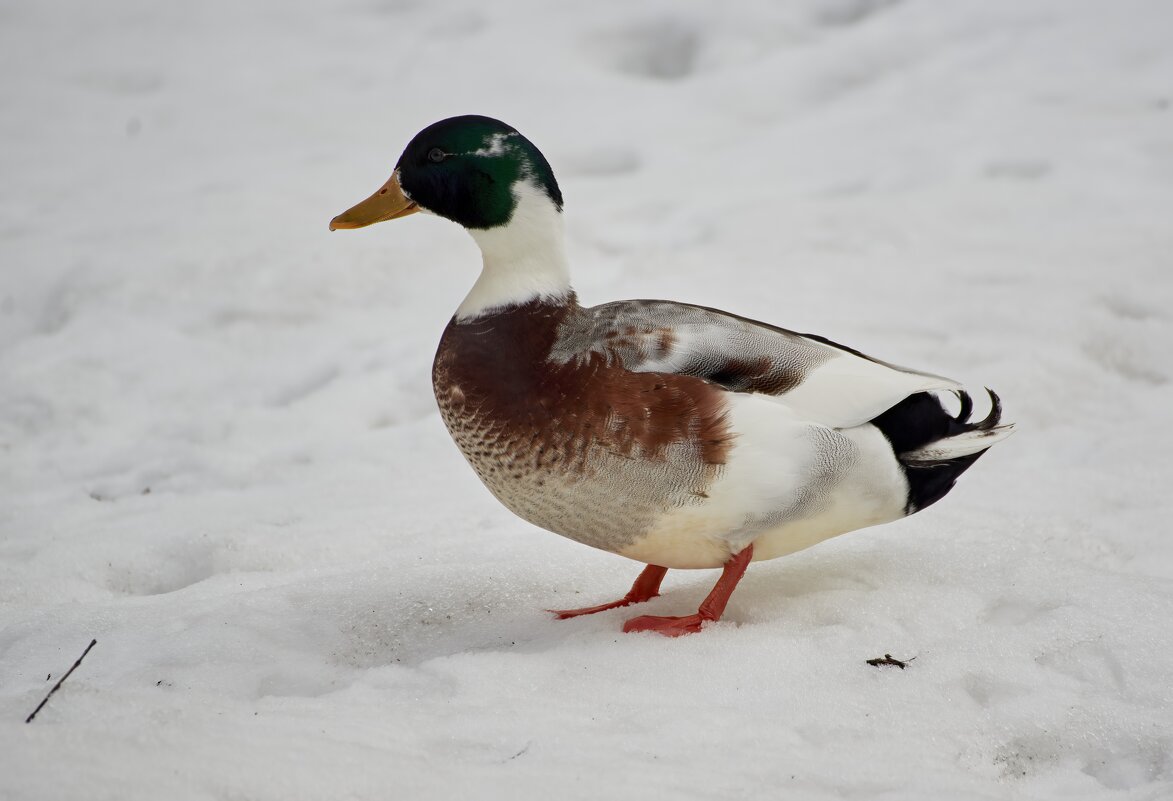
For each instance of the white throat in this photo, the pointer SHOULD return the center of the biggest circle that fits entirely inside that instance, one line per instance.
(523, 260)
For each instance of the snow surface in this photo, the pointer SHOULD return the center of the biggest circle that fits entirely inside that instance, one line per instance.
(220, 456)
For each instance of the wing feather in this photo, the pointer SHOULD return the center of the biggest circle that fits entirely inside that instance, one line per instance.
(817, 379)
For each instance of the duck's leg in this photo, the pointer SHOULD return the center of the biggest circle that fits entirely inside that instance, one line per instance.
(711, 608)
(646, 587)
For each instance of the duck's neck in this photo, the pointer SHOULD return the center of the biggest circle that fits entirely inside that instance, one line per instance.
(524, 259)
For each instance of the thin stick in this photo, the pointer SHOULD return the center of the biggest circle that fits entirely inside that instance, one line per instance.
(57, 686)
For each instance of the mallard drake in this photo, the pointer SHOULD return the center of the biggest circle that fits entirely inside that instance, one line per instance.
(676, 435)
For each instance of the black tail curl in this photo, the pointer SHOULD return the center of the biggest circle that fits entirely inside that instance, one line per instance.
(919, 420)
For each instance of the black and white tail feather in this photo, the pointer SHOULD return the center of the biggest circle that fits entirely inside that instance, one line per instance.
(934, 447)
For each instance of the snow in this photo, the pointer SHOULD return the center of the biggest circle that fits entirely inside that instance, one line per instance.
(220, 457)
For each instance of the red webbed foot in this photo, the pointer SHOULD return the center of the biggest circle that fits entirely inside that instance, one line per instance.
(711, 608)
(668, 626)
(646, 587)
(566, 614)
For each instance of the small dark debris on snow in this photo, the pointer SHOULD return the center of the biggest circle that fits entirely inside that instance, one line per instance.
(519, 753)
(888, 660)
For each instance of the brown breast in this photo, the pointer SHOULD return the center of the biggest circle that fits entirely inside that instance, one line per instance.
(582, 447)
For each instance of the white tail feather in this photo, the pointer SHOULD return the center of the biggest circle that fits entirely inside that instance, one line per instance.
(959, 445)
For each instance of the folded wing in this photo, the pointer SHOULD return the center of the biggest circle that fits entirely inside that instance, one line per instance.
(819, 380)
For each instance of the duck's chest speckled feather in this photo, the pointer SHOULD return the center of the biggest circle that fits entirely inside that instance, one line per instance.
(580, 445)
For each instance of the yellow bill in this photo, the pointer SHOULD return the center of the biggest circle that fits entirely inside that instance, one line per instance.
(386, 204)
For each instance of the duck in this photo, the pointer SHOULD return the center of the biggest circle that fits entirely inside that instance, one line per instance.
(676, 435)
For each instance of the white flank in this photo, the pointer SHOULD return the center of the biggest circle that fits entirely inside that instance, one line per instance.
(789, 484)
(523, 260)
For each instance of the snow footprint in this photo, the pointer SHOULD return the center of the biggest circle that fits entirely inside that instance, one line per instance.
(1129, 338)
(990, 691)
(843, 13)
(1118, 760)
(163, 570)
(1128, 762)
(663, 49)
(1087, 662)
(1016, 611)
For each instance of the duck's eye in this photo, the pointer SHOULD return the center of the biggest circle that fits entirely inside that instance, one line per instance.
(436, 155)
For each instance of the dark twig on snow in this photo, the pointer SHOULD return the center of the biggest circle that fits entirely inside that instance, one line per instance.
(60, 681)
(522, 751)
(888, 660)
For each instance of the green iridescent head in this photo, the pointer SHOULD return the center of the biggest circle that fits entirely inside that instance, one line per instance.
(463, 168)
